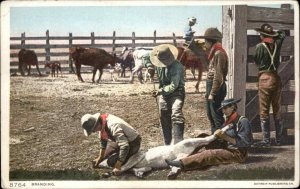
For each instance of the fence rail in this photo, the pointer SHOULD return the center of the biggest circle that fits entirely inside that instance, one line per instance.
(113, 44)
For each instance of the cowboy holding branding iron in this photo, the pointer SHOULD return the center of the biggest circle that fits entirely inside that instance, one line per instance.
(118, 140)
(171, 91)
(267, 58)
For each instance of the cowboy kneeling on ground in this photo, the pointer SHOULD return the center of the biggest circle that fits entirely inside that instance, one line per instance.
(118, 140)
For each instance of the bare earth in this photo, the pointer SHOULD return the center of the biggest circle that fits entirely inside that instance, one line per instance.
(47, 142)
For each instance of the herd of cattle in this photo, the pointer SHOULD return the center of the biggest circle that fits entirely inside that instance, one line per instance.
(100, 59)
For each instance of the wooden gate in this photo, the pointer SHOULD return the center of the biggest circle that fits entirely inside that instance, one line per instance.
(239, 21)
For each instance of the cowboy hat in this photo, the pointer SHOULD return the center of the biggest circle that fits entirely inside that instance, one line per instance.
(213, 33)
(266, 30)
(88, 123)
(163, 55)
(228, 102)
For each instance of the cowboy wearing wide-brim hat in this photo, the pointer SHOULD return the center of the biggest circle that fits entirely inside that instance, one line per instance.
(267, 58)
(171, 91)
(229, 102)
(124, 139)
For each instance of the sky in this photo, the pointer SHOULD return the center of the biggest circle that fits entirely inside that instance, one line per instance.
(104, 19)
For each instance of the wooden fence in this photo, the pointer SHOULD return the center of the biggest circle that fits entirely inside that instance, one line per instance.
(238, 21)
(47, 47)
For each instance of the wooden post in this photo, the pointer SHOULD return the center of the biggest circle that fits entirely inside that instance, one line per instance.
(154, 38)
(47, 48)
(70, 59)
(92, 38)
(23, 40)
(174, 40)
(113, 42)
(235, 44)
(133, 40)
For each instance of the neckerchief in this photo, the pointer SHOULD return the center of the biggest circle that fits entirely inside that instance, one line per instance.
(103, 135)
(231, 118)
(217, 46)
(268, 40)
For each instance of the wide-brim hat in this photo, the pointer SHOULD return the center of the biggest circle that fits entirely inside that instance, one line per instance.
(228, 102)
(163, 55)
(88, 123)
(267, 30)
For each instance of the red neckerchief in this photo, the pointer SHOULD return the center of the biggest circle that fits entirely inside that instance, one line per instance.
(268, 40)
(103, 133)
(217, 46)
(231, 119)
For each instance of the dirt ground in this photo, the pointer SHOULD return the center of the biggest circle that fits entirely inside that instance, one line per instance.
(47, 142)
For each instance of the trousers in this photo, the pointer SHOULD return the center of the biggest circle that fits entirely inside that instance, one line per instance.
(269, 92)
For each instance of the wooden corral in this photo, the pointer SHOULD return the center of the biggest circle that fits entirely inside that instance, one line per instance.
(239, 21)
(50, 48)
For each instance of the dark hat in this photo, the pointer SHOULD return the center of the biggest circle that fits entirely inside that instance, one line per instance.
(163, 55)
(267, 30)
(88, 123)
(228, 102)
(212, 33)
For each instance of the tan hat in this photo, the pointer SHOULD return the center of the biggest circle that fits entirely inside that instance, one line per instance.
(267, 30)
(163, 55)
(88, 123)
(213, 33)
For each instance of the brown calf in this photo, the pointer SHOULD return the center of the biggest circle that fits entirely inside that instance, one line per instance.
(54, 66)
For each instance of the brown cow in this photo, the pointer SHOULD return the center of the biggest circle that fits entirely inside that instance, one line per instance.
(27, 58)
(190, 60)
(98, 58)
(54, 66)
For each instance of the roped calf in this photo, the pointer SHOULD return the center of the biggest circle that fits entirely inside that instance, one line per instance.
(54, 66)
(155, 157)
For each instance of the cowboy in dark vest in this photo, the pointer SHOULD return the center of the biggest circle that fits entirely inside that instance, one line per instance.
(216, 89)
(118, 140)
(239, 139)
(267, 58)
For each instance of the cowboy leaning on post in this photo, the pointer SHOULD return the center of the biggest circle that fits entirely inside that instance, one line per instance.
(118, 140)
(267, 58)
(171, 91)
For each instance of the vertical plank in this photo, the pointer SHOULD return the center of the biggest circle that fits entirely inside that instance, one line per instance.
(239, 62)
(114, 42)
(70, 59)
(133, 40)
(154, 38)
(22, 40)
(47, 48)
(174, 40)
(92, 38)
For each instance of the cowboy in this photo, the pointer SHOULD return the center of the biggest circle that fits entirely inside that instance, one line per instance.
(118, 140)
(171, 91)
(217, 71)
(239, 138)
(188, 32)
(267, 58)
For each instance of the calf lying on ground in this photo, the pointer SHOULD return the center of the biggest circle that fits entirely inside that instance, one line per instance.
(54, 66)
(155, 157)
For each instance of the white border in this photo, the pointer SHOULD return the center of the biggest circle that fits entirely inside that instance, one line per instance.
(5, 86)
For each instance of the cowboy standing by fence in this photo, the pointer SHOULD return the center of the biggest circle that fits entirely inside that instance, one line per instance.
(239, 139)
(118, 140)
(217, 71)
(171, 91)
(267, 58)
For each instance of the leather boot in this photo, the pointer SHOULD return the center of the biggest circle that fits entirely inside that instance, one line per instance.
(178, 132)
(265, 128)
(279, 130)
